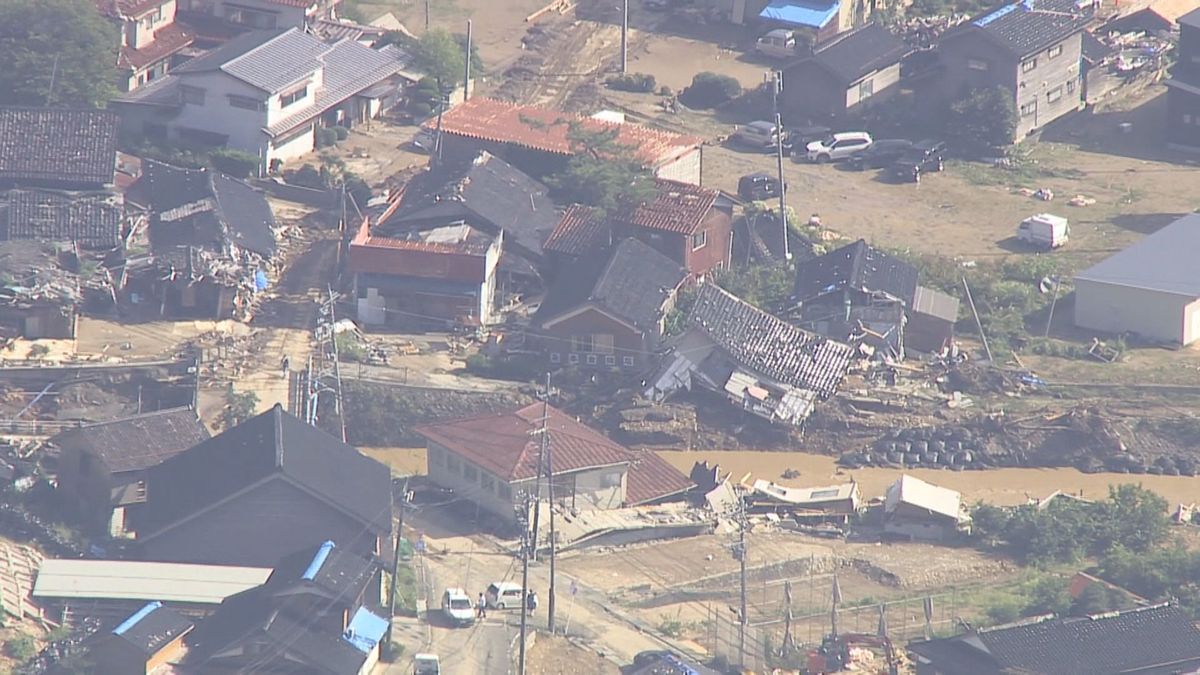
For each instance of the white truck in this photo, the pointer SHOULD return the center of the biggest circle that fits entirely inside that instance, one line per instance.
(1045, 231)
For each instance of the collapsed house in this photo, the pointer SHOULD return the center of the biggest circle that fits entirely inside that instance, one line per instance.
(915, 509)
(832, 503)
(756, 360)
(211, 242)
(39, 296)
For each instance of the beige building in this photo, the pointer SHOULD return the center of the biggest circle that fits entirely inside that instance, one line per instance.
(1151, 288)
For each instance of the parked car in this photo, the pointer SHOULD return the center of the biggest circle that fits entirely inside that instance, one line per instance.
(924, 157)
(760, 136)
(777, 44)
(800, 137)
(424, 140)
(457, 607)
(881, 153)
(426, 664)
(1045, 231)
(758, 187)
(838, 146)
(504, 595)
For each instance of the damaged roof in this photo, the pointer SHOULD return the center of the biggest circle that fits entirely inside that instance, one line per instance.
(859, 267)
(857, 53)
(768, 345)
(137, 442)
(580, 231)
(1027, 26)
(152, 627)
(916, 492)
(334, 570)
(54, 146)
(93, 220)
(30, 273)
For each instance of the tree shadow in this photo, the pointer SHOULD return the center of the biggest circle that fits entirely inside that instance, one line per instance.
(1138, 132)
(1145, 223)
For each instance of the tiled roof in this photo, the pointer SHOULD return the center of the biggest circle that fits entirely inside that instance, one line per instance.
(857, 266)
(91, 219)
(118, 9)
(636, 283)
(269, 60)
(860, 52)
(506, 445)
(332, 569)
(138, 442)
(546, 130)
(57, 146)
(329, 30)
(1026, 26)
(768, 345)
(152, 627)
(578, 232)
(651, 478)
(167, 41)
(1156, 639)
(677, 207)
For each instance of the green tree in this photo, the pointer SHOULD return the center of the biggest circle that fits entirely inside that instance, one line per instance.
(764, 286)
(602, 173)
(439, 54)
(1133, 517)
(1047, 595)
(1096, 598)
(982, 119)
(64, 42)
(239, 407)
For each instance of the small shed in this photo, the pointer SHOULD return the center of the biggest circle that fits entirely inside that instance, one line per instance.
(151, 637)
(918, 510)
(931, 320)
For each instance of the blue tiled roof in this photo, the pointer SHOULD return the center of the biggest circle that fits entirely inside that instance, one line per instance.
(798, 13)
(365, 630)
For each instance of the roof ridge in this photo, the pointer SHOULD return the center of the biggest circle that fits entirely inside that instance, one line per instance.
(138, 416)
(254, 49)
(277, 420)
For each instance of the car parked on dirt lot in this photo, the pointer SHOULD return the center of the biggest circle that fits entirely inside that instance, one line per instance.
(838, 146)
(504, 595)
(881, 153)
(457, 607)
(761, 136)
(777, 44)
(924, 157)
(758, 187)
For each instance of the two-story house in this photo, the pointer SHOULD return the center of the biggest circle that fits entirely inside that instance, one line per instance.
(151, 40)
(265, 93)
(1031, 49)
(845, 76)
(1183, 89)
(263, 14)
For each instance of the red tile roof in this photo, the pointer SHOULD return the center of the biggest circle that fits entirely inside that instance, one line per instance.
(167, 41)
(578, 232)
(546, 130)
(678, 207)
(463, 260)
(651, 478)
(126, 8)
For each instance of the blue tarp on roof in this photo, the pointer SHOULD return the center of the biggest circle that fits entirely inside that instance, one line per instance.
(814, 14)
(365, 630)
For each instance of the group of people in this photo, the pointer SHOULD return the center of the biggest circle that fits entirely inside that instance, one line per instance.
(531, 603)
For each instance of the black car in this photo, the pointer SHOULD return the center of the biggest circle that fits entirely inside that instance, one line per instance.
(881, 153)
(924, 157)
(758, 187)
(799, 138)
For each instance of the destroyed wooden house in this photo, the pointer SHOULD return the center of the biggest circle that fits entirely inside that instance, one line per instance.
(211, 240)
(827, 504)
(918, 510)
(756, 360)
(870, 298)
(39, 296)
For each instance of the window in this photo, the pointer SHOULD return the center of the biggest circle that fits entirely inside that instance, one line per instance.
(628, 361)
(977, 64)
(591, 359)
(572, 358)
(865, 89)
(1054, 51)
(602, 343)
(610, 360)
(1028, 109)
(555, 357)
(581, 343)
(246, 103)
(288, 99)
(191, 95)
(1054, 94)
(1029, 65)
(699, 240)
(1070, 86)
(611, 479)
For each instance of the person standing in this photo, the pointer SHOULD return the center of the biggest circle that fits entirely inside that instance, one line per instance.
(531, 602)
(481, 607)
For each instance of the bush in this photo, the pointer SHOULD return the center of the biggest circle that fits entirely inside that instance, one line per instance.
(349, 347)
(21, 648)
(326, 137)
(341, 132)
(307, 176)
(636, 82)
(234, 163)
(521, 368)
(709, 90)
(981, 120)
(420, 109)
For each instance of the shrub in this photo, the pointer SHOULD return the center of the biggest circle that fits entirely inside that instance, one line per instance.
(635, 82)
(981, 120)
(710, 89)
(236, 163)
(341, 132)
(420, 109)
(307, 176)
(326, 137)
(22, 648)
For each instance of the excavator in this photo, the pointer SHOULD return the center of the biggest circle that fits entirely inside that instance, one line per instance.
(833, 656)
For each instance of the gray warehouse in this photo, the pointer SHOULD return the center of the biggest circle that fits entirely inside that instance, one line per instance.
(1151, 288)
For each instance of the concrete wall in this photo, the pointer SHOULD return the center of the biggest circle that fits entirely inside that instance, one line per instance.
(1117, 309)
(261, 13)
(216, 115)
(1053, 88)
(469, 481)
(1183, 119)
(602, 488)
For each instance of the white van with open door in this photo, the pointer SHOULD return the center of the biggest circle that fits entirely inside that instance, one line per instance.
(1044, 231)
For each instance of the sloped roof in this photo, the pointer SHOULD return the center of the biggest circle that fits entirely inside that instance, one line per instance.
(57, 145)
(500, 194)
(92, 220)
(1027, 26)
(651, 478)
(547, 130)
(126, 8)
(677, 207)
(916, 492)
(858, 266)
(578, 232)
(1191, 19)
(167, 40)
(138, 442)
(768, 345)
(860, 52)
(633, 286)
(1163, 261)
(152, 627)
(274, 442)
(935, 303)
(1158, 639)
(333, 570)
(269, 60)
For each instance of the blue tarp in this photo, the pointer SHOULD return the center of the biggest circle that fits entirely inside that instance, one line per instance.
(798, 13)
(365, 630)
(260, 281)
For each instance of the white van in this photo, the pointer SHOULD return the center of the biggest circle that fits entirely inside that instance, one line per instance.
(1044, 230)
(457, 607)
(427, 664)
(504, 595)
(777, 44)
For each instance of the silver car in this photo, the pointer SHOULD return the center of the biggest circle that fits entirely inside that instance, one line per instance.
(839, 146)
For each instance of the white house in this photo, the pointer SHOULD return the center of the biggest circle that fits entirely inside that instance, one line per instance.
(265, 92)
(1151, 288)
(151, 40)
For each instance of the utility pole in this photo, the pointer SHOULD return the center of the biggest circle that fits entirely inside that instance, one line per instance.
(548, 449)
(396, 563)
(776, 89)
(624, 36)
(467, 68)
(739, 552)
(426, 16)
(523, 517)
(978, 324)
(789, 641)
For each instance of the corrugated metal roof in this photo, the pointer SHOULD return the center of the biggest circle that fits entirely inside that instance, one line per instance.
(129, 580)
(1164, 261)
(935, 303)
